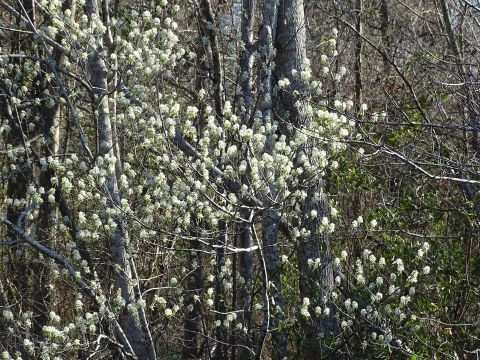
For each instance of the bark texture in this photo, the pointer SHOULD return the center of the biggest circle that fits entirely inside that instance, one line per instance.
(130, 322)
(314, 284)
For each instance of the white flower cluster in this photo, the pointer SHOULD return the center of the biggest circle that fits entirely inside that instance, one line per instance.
(384, 293)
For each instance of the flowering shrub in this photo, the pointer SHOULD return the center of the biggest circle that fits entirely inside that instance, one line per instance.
(155, 201)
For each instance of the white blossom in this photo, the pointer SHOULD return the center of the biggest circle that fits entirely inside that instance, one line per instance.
(7, 315)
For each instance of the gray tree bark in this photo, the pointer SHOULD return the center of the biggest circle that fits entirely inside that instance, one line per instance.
(314, 284)
(271, 216)
(358, 55)
(245, 291)
(192, 348)
(134, 328)
(385, 30)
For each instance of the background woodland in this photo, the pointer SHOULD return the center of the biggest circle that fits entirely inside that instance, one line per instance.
(239, 179)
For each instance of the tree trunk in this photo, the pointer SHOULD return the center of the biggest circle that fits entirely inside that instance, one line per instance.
(384, 28)
(314, 284)
(271, 217)
(358, 55)
(220, 297)
(119, 243)
(246, 289)
(192, 332)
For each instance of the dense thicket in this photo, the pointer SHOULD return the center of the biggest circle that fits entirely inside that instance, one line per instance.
(241, 179)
